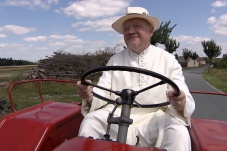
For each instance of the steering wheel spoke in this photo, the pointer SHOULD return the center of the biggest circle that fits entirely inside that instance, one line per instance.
(152, 86)
(100, 87)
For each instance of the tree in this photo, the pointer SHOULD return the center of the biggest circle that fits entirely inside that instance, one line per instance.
(211, 49)
(10, 61)
(161, 35)
(194, 55)
(171, 45)
(186, 53)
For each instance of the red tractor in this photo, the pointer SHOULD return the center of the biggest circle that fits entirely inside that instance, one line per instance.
(54, 125)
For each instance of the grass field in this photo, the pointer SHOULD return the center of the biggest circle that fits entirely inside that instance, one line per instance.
(7, 72)
(26, 95)
(16, 68)
(217, 78)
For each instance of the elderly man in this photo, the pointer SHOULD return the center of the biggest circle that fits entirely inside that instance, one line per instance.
(163, 127)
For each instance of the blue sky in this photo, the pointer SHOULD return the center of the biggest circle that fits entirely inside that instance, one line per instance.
(33, 29)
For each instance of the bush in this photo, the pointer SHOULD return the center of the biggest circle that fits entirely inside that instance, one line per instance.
(222, 64)
(64, 65)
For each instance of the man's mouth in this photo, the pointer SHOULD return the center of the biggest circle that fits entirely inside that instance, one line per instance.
(131, 37)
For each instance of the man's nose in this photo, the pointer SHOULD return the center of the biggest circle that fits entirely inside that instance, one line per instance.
(131, 30)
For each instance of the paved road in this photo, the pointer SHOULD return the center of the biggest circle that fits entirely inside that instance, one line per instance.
(207, 106)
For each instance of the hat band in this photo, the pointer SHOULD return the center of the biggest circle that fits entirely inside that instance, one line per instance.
(143, 13)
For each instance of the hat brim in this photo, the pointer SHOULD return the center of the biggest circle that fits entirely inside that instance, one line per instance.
(118, 24)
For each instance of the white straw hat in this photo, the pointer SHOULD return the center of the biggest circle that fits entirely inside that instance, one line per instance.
(135, 12)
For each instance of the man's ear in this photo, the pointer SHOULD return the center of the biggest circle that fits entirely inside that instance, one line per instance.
(151, 30)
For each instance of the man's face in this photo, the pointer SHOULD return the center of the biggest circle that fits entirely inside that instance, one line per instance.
(137, 34)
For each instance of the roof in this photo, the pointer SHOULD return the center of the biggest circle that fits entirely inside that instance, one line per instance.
(199, 59)
(224, 57)
(181, 59)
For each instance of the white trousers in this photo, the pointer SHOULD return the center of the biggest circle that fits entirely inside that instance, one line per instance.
(159, 129)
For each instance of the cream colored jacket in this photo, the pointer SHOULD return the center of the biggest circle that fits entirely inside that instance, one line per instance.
(154, 59)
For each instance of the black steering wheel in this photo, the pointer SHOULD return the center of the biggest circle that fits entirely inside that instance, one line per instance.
(163, 79)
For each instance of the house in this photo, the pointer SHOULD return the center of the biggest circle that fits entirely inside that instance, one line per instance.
(182, 61)
(190, 62)
(224, 57)
(201, 61)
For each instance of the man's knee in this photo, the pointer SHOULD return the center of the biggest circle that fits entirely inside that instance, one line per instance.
(93, 124)
(176, 136)
(178, 130)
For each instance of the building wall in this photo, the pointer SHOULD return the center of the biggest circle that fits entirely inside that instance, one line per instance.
(192, 63)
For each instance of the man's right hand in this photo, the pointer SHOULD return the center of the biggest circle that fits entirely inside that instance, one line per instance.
(85, 91)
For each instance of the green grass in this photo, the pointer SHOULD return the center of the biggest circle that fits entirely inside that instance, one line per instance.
(27, 94)
(217, 78)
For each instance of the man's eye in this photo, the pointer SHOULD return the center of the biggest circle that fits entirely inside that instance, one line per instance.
(125, 29)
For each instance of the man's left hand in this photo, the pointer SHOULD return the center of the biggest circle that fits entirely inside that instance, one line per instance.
(178, 102)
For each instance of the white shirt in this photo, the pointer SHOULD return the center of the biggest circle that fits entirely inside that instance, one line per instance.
(154, 59)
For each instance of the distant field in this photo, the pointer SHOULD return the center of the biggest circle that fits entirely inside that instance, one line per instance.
(9, 71)
(24, 67)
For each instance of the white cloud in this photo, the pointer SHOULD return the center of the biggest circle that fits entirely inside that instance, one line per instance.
(211, 20)
(3, 45)
(18, 30)
(192, 43)
(56, 40)
(95, 8)
(3, 36)
(57, 43)
(44, 4)
(96, 44)
(220, 3)
(218, 25)
(66, 39)
(13, 48)
(96, 25)
(76, 41)
(16, 3)
(62, 37)
(34, 39)
(190, 39)
(22, 51)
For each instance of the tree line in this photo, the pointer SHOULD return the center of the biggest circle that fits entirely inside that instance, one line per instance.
(162, 36)
(11, 62)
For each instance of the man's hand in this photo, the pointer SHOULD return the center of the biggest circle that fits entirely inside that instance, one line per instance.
(178, 102)
(85, 91)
